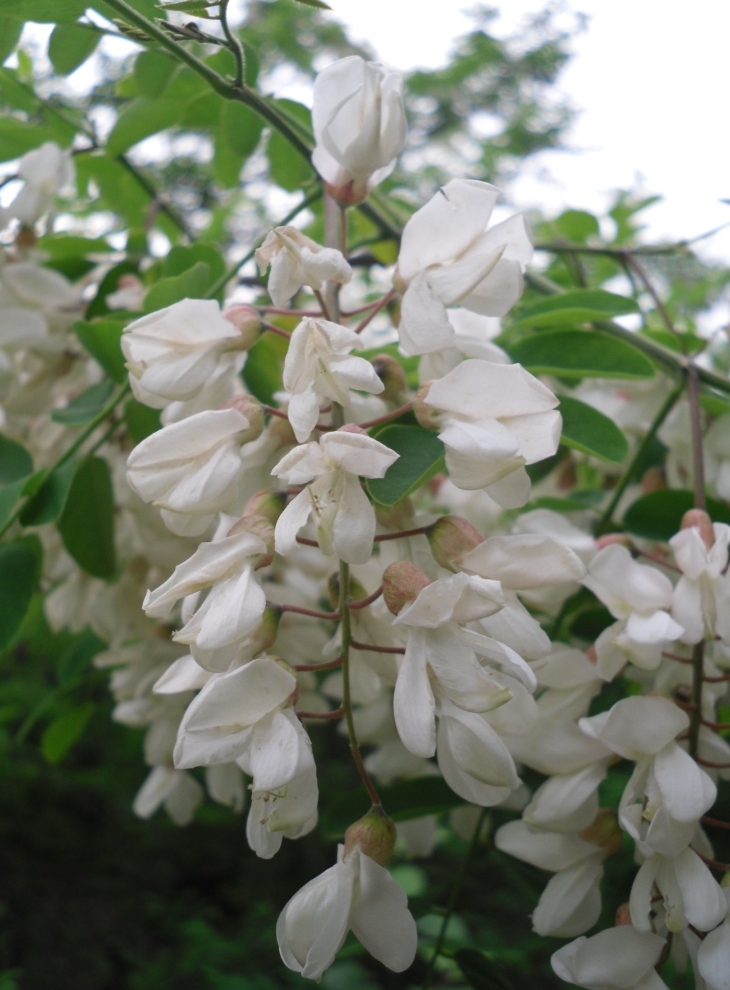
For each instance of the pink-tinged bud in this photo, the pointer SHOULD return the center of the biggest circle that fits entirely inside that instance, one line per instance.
(623, 914)
(614, 538)
(374, 833)
(267, 503)
(351, 193)
(247, 321)
(333, 589)
(353, 428)
(653, 480)
(402, 583)
(698, 519)
(251, 408)
(451, 538)
(280, 431)
(261, 527)
(396, 517)
(604, 832)
(427, 416)
(392, 375)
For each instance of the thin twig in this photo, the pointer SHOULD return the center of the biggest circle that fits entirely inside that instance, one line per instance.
(376, 649)
(364, 602)
(374, 312)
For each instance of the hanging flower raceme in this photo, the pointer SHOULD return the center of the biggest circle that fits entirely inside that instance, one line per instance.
(701, 598)
(493, 420)
(318, 365)
(359, 126)
(449, 258)
(344, 517)
(297, 260)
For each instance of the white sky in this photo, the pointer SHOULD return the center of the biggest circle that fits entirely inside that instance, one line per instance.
(650, 79)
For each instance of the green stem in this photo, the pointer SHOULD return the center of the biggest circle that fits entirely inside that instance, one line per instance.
(605, 520)
(456, 890)
(234, 44)
(67, 455)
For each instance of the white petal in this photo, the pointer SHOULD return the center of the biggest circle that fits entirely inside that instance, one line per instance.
(380, 918)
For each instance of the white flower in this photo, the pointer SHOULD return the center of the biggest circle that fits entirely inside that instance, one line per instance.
(46, 170)
(173, 352)
(235, 603)
(192, 466)
(616, 959)
(690, 893)
(345, 519)
(178, 791)
(713, 956)
(701, 598)
(356, 894)
(359, 126)
(449, 258)
(494, 419)
(318, 365)
(297, 260)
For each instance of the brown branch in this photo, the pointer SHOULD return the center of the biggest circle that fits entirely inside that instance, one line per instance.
(714, 822)
(376, 649)
(403, 534)
(364, 602)
(400, 411)
(376, 309)
(313, 613)
(330, 665)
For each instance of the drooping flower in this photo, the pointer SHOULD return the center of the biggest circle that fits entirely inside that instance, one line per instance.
(619, 958)
(359, 126)
(297, 260)
(46, 170)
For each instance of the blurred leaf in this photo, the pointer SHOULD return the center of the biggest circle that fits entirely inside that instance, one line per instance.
(152, 72)
(16, 137)
(86, 406)
(479, 971)
(141, 421)
(587, 430)
(70, 45)
(319, 4)
(15, 461)
(109, 283)
(578, 306)
(18, 576)
(580, 354)
(43, 11)
(241, 128)
(404, 800)
(263, 368)
(195, 7)
(87, 522)
(421, 456)
(76, 660)
(47, 504)
(577, 225)
(10, 31)
(658, 515)
(192, 284)
(71, 246)
(101, 338)
(287, 167)
(181, 259)
(141, 119)
(66, 729)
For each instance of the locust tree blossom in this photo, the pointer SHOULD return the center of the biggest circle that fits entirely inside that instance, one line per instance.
(619, 958)
(493, 420)
(701, 598)
(344, 518)
(297, 260)
(46, 171)
(359, 126)
(358, 895)
(318, 365)
(172, 353)
(449, 258)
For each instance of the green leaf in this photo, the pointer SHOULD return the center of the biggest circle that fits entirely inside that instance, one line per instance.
(110, 283)
(141, 119)
(17, 137)
(587, 430)
(479, 971)
(140, 420)
(9, 496)
(241, 128)
(578, 306)
(86, 406)
(77, 658)
(49, 501)
(10, 32)
(421, 456)
(70, 45)
(64, 731)
(15, 461)
(43, 11)
(60, 246)
(87, 522)
(152, 72)
(101, 338)
(405, 800)
(18, 576)
(576, 354)
(264, 364)
(319, 4)
(192, 284)
(577, 225)
(287, 167)
(181, 259)
(658, 515)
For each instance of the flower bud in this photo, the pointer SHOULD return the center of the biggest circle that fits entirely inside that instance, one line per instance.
(623, 914)
(402, 583)
(604, 831)
(396, 517)
(267, 503)
(698, 518)
(451, 537)
(426, 415)
(333, 588)
(261, 527)
(251, 408)
(374, 833)
(247, 321)
(392, 375)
